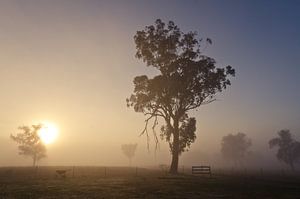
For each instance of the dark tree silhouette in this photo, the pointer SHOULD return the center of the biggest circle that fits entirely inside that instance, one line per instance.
(186, 79)
(30, 143)
(235, 147)
(129, 151)
(288, 148)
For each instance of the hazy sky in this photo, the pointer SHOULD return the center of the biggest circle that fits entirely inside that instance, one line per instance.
(72, 62)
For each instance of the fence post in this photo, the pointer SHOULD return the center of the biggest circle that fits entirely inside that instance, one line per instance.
(136, 171)
(73, 174)
(104, 171)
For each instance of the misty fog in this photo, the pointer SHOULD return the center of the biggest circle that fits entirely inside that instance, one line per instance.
(74, 65)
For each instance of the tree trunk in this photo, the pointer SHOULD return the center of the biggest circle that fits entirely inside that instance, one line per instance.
(34, 160)
(175, 150)
(174, 164)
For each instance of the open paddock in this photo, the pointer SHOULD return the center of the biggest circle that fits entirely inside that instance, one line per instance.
(125, 182)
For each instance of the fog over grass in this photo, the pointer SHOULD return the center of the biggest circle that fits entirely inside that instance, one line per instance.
(72, 63)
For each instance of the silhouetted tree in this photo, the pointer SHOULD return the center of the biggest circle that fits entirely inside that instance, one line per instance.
(30, 143)
(235, 147)
(186, 79)
(288, 148)
(129, 151)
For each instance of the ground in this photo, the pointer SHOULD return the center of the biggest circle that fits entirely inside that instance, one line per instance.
(116, 182)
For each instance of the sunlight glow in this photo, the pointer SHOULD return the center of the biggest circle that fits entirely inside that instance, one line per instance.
(48, 133)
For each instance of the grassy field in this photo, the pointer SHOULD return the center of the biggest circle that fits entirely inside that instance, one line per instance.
(121, 182)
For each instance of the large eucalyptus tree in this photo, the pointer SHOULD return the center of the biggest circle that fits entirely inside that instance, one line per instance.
(186, 79)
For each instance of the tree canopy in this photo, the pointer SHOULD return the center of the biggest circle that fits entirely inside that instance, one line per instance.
(235, 147)
(288, 148)
(30, 143)
(186, 79)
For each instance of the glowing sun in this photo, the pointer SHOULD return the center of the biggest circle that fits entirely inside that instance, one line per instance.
(48, 133)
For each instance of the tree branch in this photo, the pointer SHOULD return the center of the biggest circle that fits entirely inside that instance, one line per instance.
(145, 130)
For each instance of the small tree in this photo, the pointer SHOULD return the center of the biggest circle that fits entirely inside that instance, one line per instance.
(30, 143)
(186, 79)
(129, 151)
(235, 147)
(288, 148)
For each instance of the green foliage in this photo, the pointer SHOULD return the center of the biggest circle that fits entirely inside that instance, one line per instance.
(30, 143)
